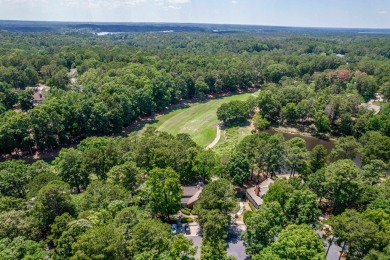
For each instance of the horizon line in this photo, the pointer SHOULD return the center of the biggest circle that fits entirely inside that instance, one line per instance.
(201, 23)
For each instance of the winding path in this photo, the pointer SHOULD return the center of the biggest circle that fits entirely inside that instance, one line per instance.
(216, 140)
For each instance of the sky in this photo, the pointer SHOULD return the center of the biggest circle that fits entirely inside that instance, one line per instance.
(302, 13)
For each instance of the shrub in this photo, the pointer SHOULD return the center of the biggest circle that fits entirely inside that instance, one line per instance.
(186, 211)
(247, 214)
(253, 208)
(187, 220)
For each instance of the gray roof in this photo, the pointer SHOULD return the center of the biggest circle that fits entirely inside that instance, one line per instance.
(263, 190)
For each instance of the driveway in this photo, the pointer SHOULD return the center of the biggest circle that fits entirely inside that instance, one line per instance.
(334, 250)
(194, 235)
(236, 247)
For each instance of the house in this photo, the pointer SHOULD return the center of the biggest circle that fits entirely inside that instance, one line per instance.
(38, 97)
(72, 72)
(191, 194)
(255, 193)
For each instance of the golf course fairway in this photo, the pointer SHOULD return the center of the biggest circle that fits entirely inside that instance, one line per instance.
(199, 120)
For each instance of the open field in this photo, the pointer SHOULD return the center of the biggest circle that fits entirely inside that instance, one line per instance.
(199, 120)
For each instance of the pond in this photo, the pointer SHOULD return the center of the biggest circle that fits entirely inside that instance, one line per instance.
(311, 141)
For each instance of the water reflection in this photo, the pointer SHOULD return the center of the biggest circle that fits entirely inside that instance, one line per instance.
(311, 141)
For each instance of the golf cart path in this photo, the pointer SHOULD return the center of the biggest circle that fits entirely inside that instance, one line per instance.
(216, 140)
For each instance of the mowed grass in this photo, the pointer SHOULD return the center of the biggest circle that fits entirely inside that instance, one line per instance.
(199, 120)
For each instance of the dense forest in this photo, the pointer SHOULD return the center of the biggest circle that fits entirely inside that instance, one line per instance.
(112, 197)
(123, 77)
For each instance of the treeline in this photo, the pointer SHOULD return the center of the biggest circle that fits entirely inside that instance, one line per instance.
(123, 77)
(312, 107)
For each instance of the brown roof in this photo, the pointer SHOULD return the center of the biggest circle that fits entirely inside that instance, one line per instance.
(72, 72)
(191, 192)
(38, 96)
(195, 197)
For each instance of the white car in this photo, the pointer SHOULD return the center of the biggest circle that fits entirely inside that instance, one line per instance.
(174, 229)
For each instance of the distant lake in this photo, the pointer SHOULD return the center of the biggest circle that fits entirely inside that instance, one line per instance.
(106, 33)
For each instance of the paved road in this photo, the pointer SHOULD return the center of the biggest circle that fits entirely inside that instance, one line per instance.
(216, 140)
(236, 246)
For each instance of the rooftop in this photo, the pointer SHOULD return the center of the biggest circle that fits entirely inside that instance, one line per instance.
(38, 96)
(263, 190)
(191, 192)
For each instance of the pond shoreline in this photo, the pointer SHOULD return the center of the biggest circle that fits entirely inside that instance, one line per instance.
(295, 130)
(310, 139)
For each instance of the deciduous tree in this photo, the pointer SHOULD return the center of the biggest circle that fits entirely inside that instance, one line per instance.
(237, 168)
(263, 227)
(294, 243)
(53, 200)
(356, 235)
(163, 191)
(219, 195)
(302, 208)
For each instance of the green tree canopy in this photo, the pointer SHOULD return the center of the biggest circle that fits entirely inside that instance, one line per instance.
(295, 242)
(102, 242)
(17, 223)
(374, 172)
(52, 200)
(100, 194)
(149, 236)
(322, 122)
(263, 226)
(237, 168)
(68, 164)
(356, 234)
(260, 122)
(14, 178)
(126, 175)
(219, 195)
(345, 148)
(317, 158)
(279, 191)
(342, 181)
(296, 154)
(233, 111)
(21, 248)
(375, 146)
(163, 191)
(302, 207)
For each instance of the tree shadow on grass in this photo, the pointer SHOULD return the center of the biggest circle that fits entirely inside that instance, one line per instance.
(150, 120)
(140, 126)
(240, 123)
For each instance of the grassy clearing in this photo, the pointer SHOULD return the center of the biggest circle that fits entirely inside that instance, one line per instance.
(231, 137)
(199, 120)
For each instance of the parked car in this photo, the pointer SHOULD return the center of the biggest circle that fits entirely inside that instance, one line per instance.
(174, 229)
(187, 229)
